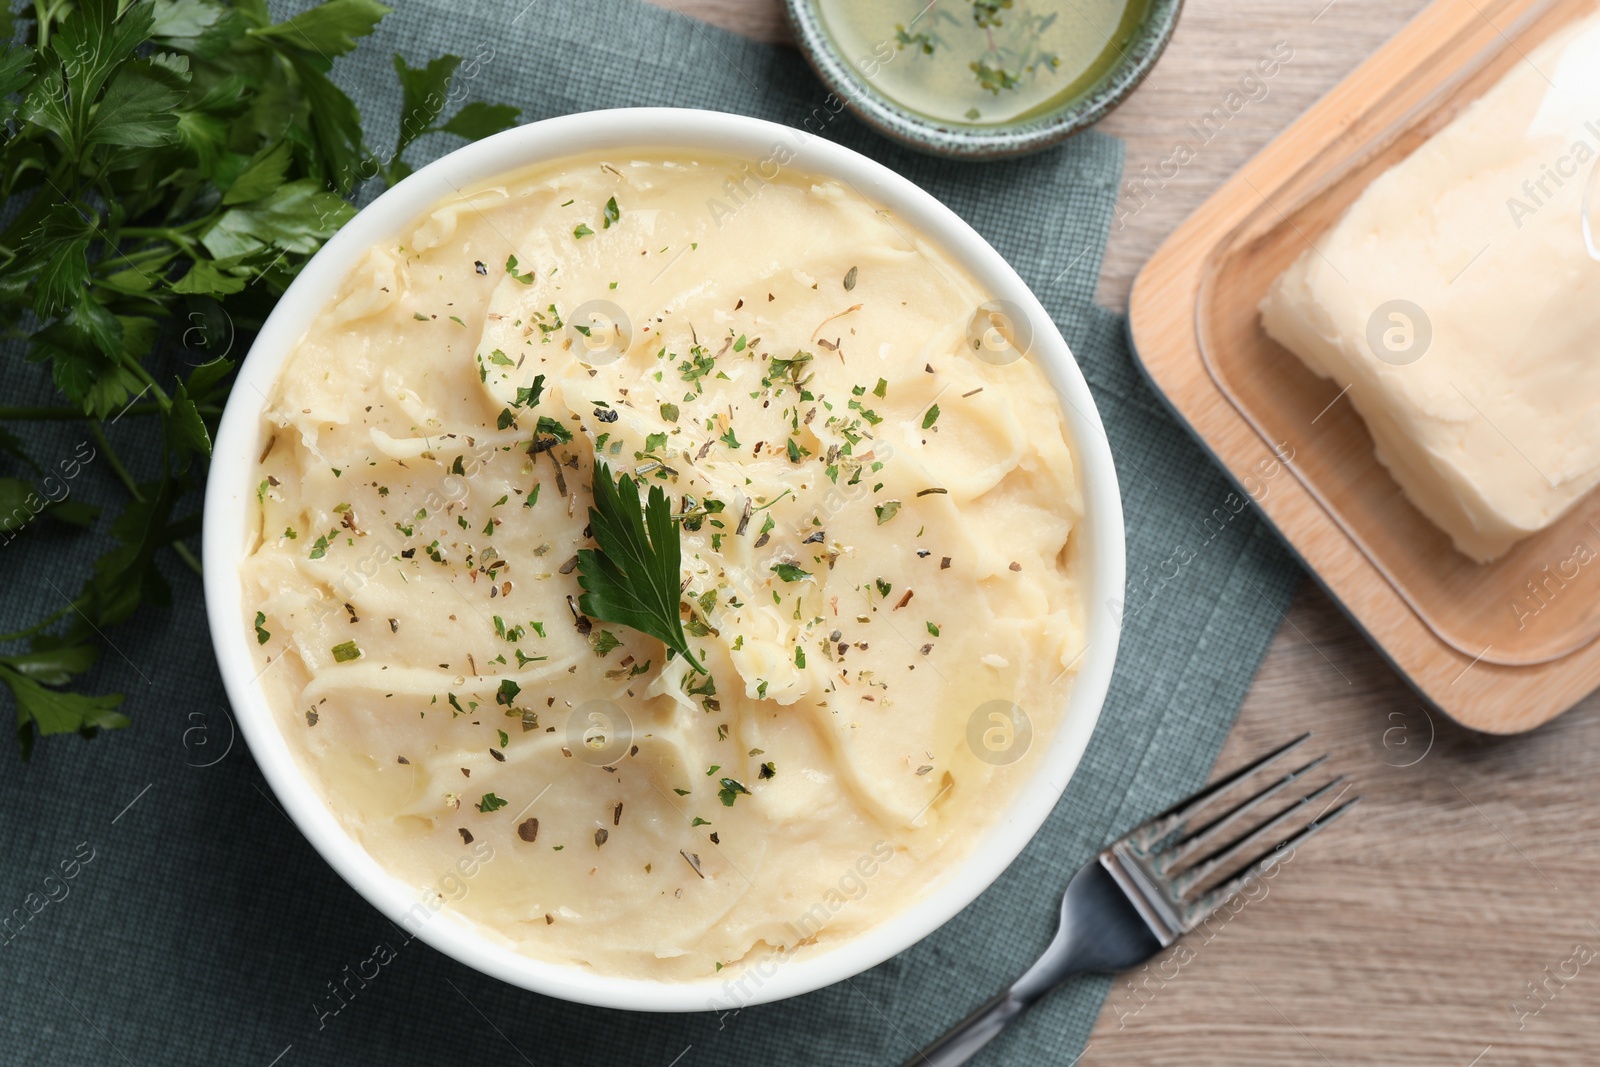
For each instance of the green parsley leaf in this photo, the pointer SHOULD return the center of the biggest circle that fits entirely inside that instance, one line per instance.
(552, 428)
(490, 802)
(632, 579)
(478, 119)
(790, 572)
(55, 711)
(528, 395)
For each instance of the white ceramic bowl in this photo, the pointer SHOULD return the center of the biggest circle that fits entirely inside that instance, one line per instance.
(240, 439)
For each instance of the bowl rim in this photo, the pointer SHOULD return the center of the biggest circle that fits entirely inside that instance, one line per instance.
(226, 534)
(1000, 141)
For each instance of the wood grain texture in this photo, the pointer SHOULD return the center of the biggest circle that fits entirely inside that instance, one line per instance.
(1405, 934)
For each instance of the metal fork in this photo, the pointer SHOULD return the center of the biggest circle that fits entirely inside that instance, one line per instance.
(1139, 895)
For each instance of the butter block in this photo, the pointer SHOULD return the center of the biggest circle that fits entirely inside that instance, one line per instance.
(1457, 300)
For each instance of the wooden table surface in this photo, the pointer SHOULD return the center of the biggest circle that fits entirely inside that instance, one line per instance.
(1449, 920)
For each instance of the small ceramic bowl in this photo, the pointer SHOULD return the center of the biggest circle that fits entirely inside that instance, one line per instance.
(1019, 137)
(230, 527)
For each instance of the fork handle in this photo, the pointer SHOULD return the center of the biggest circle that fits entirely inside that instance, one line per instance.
(963, 1040)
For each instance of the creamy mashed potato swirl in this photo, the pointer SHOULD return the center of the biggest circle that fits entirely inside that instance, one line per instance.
(877, 553)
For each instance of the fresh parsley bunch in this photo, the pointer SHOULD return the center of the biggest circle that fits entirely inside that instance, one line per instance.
(166, 165)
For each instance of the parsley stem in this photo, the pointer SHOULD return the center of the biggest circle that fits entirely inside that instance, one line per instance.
(144, 376)
(139, 257)
(179, 549)
(182, 551)
(66, 414)
(44, 14)
(121, 472)
(40, 625)
(771, 502)
(171, 233)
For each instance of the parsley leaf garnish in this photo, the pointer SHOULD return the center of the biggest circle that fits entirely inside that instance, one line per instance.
(632, 579)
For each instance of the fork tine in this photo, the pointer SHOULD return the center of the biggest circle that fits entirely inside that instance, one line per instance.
(1206, 906)
(1207, 866)
(1180, 850)
(1183, 810)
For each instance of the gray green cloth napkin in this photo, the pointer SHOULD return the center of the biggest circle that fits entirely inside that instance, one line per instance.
(205, 930)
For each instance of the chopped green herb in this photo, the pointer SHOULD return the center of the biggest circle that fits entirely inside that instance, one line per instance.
(528, 395)
(262, 636)
(730, 792)
(931, 417)
(346, 652)
(790, 572)
(490, 802)
(547, 425)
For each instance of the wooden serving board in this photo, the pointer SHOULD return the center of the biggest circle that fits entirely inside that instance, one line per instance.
(1407, 77)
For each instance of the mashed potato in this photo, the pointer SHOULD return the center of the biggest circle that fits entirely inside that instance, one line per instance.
(875, 509)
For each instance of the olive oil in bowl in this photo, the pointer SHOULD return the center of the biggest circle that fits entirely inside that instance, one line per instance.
(983, 62)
